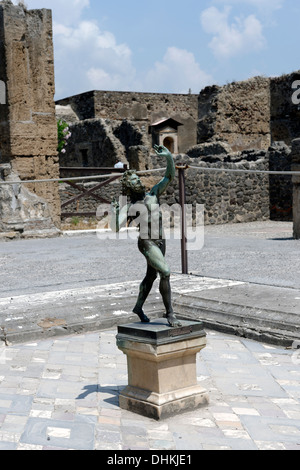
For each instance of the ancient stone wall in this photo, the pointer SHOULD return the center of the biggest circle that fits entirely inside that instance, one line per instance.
(238, 113)
(239, 124)
(250, 114)
(227, 197)
(278, 157)
(103, 143)
(93, 144)
(281, 187)
(27, 120)
(285, 114)
(4, 120)
(23, 213)
(141, 108)
(83, 105)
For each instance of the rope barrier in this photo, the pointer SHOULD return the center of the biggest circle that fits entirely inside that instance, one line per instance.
(77, 178)
(96, 177)
(60, 180)
(260, 172)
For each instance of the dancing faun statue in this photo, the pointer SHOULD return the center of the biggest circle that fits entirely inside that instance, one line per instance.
(151, 241)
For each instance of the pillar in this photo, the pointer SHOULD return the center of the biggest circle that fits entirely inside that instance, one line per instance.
(296, 187)
(28, 139)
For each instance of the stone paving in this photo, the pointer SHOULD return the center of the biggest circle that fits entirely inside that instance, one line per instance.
(62, 393)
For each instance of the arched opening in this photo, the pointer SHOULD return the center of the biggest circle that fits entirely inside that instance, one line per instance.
(169, 144)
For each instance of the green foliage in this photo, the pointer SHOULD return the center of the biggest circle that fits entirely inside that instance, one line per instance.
(63, 134)
(75, 221)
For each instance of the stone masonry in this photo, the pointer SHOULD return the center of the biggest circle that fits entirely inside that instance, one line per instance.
(23, 213)
(235, 126)
(28, 140)
(285, 114)
(238, 113)
(104, 142)
(140, 109)
(227, 197)
(250, 114)
(246, 122)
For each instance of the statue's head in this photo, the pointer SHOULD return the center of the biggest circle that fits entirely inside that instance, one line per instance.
(132, 185)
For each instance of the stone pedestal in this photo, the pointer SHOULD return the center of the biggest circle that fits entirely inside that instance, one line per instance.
(162, 378)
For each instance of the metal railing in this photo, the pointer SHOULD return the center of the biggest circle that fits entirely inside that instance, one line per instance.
(107, 173)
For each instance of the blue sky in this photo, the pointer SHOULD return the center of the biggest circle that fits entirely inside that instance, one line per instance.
(170, 45)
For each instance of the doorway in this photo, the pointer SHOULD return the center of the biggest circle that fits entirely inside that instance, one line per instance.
(169, 144)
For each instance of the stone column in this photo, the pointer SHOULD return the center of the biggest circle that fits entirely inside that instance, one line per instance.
(296, 187)
(28, 126)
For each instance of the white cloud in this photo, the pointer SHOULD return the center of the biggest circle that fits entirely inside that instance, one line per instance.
(93, 57)
(87, 57)
(177, 73)
(239, 37)
(98, 62)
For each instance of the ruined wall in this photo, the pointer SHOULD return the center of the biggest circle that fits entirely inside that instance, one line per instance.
(103, 143)
(228, 198)
(27, 121)
(23, 213)
(83, 105)
(250, 114)
(92, 144)
(277, 157)
(285, 115)
(4, 120)
(281, 186)
(238, 113)
(141, 108)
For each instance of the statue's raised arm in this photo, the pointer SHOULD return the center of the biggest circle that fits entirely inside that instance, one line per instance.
(161, 187)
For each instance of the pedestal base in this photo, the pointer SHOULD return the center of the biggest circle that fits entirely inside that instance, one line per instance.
(160, 406)
(162, 379)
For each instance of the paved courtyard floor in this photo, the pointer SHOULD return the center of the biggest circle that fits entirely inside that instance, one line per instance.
(62, 393)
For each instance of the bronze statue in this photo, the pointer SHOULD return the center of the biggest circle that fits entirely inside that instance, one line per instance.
(151, 242)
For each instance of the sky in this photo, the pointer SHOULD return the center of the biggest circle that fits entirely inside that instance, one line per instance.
(169, 46)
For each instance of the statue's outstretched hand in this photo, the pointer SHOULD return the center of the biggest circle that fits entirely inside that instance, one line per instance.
(162, 151)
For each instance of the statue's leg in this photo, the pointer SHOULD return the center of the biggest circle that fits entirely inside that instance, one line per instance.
(155, 259)
(145, 289)
(165, 290)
